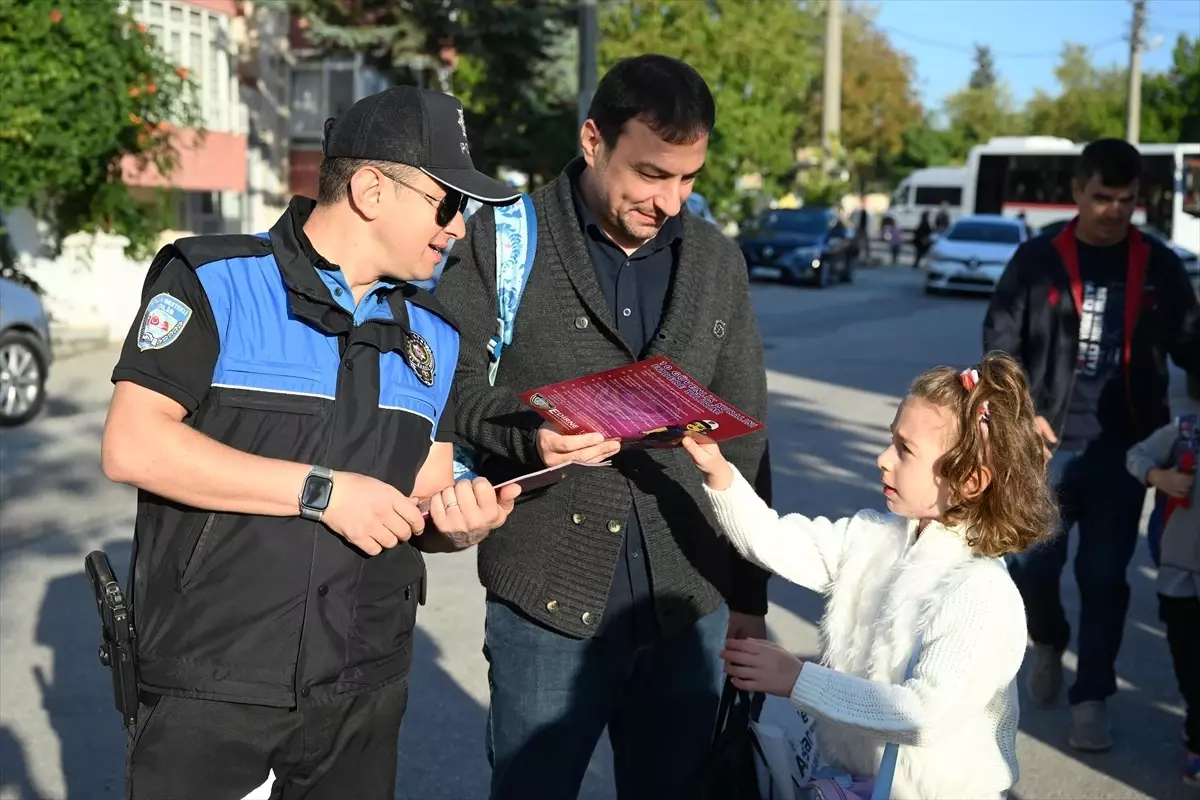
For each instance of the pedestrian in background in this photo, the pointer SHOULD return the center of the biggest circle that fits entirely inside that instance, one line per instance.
(922, 239)
(1158, 462)
(1092, 314)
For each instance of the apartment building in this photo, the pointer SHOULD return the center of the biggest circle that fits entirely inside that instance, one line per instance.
(232, 179)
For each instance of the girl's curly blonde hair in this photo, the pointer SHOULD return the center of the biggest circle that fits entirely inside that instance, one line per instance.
(997, 433)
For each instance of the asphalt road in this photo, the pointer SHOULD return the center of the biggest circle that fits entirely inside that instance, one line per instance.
(838, 362)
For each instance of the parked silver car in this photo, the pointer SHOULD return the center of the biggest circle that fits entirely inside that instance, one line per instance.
(25, 353)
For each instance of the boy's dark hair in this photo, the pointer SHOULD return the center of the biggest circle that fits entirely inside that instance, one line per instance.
(663, 92)
(1115, 161)
(333, 183)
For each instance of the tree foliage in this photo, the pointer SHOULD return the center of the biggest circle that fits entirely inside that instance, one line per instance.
(502, 58)
(512, 79)
(981, 110)
(1089, 103)
(84, 87)
(758, 58)
(983, 75)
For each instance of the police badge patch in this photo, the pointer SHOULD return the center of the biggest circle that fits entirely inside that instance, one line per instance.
(164, 320)
(419, 355)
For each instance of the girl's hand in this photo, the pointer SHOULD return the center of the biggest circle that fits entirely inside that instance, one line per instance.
(760, 666)
(718, 475)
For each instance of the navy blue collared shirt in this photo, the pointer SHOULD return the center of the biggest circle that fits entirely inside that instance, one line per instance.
(636, 287)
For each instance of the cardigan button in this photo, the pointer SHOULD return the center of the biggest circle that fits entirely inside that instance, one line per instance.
(587, 618)
(552, 606)
(581, 322)
(614, 526)
(578, 518)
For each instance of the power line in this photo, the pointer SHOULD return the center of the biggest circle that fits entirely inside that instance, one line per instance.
(970, 49)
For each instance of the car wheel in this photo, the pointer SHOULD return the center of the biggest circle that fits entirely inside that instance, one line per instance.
(22, 378)
(848, 269)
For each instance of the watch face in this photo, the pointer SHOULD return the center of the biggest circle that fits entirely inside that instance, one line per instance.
(317, 491)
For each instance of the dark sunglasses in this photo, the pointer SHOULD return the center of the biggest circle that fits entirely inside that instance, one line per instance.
(449, 205)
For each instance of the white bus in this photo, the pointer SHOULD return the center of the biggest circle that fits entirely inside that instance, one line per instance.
(1011, 175)
(926, 190)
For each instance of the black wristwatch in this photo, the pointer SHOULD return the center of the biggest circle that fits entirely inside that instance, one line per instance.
(314, 497)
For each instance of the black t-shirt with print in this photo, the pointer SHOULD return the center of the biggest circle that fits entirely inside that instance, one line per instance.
(1099, 407)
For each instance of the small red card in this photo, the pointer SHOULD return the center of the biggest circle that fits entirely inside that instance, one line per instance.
(650, 404)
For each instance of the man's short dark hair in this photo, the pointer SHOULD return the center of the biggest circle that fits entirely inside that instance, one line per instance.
(663, 92)
(1115, 161)
(333, 185)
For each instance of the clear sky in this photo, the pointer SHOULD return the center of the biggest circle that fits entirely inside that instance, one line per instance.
(1026, 37)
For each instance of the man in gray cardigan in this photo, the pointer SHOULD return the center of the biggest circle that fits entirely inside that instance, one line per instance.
(610, 595)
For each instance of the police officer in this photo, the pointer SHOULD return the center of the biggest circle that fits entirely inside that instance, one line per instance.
(282, 403)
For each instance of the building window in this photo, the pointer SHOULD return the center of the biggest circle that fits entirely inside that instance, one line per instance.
(327, 88)
(210, 212)
(198, 40)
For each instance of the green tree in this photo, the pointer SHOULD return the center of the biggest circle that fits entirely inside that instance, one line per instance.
(84, 88)
(502, 58)
(1171, 99)
(983, 109)
(1090, 103)
(926, 145)
(759, 59)
(513, 76)
(983, 75)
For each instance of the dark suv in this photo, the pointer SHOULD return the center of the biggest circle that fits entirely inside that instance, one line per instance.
(798, 245)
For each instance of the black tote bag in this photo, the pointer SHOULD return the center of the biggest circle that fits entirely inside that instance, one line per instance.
(728, 772)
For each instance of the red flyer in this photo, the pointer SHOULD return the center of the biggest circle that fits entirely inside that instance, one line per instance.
(652, 403)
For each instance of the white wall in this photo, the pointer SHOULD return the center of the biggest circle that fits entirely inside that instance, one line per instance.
(91, 287)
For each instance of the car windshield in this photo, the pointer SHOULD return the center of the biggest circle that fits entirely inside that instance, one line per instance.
(993, 233)
(812, 223)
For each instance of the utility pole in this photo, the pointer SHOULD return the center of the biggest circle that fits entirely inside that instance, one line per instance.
(831, 116)
(587, 56)
(1133, 108)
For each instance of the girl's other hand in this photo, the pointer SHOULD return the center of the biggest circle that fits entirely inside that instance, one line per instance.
(718, 475)
(760, 666)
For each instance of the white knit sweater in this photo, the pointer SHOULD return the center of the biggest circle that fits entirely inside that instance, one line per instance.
(956, 719)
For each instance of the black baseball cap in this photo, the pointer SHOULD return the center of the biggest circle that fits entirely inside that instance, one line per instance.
(417, 127)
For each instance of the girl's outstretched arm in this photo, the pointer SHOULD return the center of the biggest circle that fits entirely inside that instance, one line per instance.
(805, 551)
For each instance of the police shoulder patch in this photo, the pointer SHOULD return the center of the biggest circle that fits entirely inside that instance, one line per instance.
(165, 318)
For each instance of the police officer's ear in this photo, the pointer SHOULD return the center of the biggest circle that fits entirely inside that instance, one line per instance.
(367, 188)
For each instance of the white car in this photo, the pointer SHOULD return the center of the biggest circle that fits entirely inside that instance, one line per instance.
(972, 254)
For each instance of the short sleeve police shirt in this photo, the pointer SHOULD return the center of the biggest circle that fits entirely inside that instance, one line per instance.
(173, 346)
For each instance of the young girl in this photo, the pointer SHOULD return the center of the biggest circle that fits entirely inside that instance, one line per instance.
(964, 478)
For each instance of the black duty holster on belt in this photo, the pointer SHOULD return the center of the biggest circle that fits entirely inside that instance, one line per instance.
(117, 648)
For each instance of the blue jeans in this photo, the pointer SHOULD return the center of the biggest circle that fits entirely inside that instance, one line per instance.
(552, 696)
(1097, 492)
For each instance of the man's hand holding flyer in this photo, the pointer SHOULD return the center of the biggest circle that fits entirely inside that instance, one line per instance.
(649, 404)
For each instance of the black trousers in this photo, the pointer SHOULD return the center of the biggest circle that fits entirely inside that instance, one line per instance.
(186, 749)
(1181, 615)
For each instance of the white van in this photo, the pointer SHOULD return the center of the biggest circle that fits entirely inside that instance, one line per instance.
(926, 190)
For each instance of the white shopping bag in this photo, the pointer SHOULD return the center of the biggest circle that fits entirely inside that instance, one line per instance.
(787, 753)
